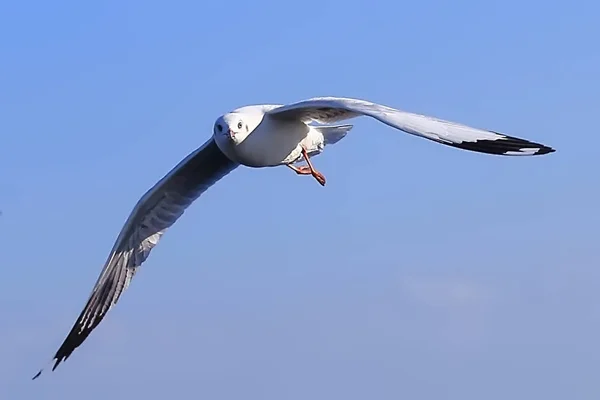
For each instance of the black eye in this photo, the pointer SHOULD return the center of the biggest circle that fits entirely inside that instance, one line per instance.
(240, 125)
(220, 128)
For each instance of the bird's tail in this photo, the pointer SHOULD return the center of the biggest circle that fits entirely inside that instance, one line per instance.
(333, 133)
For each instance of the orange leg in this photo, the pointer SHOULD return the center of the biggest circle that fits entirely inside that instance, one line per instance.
(308, 169)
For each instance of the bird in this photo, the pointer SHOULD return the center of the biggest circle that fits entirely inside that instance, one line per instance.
(258, 136)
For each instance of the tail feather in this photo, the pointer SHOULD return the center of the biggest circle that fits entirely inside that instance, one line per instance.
(333, 133)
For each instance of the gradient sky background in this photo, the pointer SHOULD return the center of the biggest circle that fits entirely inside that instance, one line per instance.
(419, 271)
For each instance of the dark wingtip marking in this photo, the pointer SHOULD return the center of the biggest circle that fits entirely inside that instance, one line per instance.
(37, 375)
(545, 150)
(504, 146)
(61, 359)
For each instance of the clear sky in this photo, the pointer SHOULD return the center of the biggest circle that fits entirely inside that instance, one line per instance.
(420, 271)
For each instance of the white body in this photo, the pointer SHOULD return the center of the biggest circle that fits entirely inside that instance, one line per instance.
(273, 141)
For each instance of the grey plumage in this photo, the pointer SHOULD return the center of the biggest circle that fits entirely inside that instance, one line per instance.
(154, 213)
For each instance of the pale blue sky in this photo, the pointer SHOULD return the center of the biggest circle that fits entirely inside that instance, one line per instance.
(420, 271)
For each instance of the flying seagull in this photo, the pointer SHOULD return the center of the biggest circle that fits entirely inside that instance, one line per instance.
(258, 136)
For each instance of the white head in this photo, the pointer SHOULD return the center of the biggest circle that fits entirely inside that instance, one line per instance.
(235, 127)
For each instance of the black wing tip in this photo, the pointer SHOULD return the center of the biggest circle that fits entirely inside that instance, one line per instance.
(506, 146)
(57, 360)
(545, 150)
(37, 375)
(73, 340)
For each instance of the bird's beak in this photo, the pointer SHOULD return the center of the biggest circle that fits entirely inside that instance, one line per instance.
(231, 134)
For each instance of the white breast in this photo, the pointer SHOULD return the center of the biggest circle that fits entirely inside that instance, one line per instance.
(273, 142)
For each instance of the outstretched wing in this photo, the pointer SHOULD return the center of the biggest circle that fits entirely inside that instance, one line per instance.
(154, 213)
(332, 109)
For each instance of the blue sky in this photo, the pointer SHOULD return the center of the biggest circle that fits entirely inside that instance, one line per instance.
(419, 271)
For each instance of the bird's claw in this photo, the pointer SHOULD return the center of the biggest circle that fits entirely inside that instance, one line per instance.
(319, 177)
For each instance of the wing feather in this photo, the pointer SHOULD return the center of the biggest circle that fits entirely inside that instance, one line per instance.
(333, 109)
(154, 213)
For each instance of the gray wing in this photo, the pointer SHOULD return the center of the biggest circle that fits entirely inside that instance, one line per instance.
(154, 213)
(332, 109)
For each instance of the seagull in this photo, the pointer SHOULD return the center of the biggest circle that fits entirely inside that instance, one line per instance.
(258, 136)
